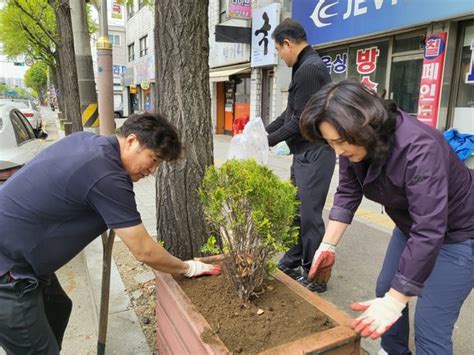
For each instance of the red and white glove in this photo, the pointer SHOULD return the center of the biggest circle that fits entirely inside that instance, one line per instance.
(198, 268)
(323, 261)
(379, 315)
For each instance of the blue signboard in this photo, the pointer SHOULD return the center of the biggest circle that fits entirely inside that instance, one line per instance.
(335, 20)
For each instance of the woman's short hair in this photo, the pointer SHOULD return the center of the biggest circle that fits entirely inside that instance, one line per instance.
(357, 113)
(154, 132)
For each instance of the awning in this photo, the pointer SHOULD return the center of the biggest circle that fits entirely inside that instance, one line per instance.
(223, 74)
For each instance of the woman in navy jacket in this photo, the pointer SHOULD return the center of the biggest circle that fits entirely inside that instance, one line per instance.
(392, 158)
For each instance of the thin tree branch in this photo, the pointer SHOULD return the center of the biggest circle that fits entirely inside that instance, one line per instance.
(37, 20)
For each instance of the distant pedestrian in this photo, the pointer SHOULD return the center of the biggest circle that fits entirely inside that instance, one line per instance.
(57, 204)
(313, 162)
(394, 159)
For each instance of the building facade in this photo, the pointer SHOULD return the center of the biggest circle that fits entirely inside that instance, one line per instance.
(139, 77)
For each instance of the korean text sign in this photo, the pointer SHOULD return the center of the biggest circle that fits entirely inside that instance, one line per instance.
(337, 20)
(430, 84)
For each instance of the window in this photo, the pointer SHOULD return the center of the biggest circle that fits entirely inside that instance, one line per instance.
(368, 64)
(143, 46)
(114, 39)
(23, 131)
(465, 95)
(336, 63)
(141, 3)
(131, 52)
(130, 11)
(222, 10)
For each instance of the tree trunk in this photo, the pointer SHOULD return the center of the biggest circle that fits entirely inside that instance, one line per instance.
(58, 84)
(182, 78)
(67, 63)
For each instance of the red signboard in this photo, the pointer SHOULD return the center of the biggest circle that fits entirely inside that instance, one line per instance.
(430, 84)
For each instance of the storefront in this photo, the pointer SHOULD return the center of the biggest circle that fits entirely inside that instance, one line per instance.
(232, 96)
(422, 61)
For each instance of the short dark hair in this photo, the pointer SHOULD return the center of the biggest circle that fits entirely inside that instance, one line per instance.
(289, 29)
(154, 132)
(358, 114)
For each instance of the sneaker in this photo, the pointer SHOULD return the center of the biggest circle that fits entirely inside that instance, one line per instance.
(294, 273)
(319, 288)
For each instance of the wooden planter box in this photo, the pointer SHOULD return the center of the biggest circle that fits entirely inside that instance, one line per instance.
(180, 325)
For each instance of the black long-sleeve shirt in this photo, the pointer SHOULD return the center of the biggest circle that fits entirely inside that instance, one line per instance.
(309, 74)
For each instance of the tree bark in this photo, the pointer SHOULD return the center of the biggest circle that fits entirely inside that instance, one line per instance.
(182, 79)
(67, 63)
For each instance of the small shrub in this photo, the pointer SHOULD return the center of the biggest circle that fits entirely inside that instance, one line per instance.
(253, 210)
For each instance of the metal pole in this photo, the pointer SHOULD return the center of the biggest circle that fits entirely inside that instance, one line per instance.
(107, 127)
(107, 246)
(104, 76)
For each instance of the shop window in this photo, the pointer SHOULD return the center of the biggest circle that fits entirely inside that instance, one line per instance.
(405, 82)
(242, 97)
(409, 43)
(336, 63)
(465, 97)
(463, 109)
(368, 64)
(143, 46)
(131, 52)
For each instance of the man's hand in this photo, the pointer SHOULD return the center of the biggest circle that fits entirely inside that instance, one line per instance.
(198, 268)
(379, 315)
(323, 261)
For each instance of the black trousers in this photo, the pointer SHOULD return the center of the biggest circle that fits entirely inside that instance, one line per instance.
(311, 173)
(33, 316)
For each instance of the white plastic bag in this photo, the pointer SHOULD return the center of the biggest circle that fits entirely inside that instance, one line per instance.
(252, 143)
(281, 149)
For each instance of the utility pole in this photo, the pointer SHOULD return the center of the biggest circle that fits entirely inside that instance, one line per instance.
(85, 68)
(104, 75)
(107, 127)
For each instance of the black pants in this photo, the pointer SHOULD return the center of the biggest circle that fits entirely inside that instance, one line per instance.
(33, 316)
(311, 173)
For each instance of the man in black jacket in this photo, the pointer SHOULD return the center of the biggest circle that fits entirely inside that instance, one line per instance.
(313, 163)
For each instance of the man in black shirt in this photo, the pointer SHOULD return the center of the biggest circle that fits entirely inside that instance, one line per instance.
(313, 163)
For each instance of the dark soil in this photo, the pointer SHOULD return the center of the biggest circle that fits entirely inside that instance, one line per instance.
(244, 328)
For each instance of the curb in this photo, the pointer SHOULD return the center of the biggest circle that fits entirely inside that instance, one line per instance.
(124, 334)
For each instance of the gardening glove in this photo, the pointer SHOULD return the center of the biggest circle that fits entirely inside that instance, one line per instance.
(198, 268)
(323, 261)
(379, 315)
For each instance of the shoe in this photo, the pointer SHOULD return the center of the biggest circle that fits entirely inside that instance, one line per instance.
(319, 288)
(294, 273)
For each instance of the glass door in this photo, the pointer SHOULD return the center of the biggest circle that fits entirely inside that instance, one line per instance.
(405, 81)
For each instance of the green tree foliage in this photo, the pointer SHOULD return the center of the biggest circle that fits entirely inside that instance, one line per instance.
(252, 209)
(37, 78)
(28, 27)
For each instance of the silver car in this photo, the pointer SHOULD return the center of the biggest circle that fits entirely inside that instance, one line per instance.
(18, 142)
(28, 108)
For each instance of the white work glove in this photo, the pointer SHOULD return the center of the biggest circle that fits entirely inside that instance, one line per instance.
(379, 315)
(323, 261)
(198, 268)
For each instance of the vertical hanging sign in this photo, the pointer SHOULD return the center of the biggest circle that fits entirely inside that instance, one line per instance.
(430, 84)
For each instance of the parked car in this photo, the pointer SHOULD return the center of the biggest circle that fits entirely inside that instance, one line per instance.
(28, 108)
(18, 142)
